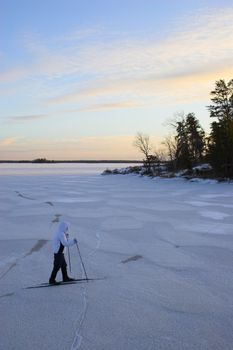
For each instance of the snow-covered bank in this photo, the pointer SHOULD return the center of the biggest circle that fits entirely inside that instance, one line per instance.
(203, 172)
(165, 247)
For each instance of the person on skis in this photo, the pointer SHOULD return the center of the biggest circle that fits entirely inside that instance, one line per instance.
(60, 241)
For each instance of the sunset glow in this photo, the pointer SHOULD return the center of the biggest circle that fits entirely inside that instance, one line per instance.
(79, 79)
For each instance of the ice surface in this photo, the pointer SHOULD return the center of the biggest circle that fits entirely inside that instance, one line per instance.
(215, 215)
(164, 249)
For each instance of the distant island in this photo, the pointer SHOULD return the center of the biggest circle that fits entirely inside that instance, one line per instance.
(44, 160)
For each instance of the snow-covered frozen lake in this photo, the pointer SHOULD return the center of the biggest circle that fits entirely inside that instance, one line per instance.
(163, 250)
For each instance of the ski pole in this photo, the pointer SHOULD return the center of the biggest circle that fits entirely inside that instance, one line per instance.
(69, 258)
(82, 261)
(67, 237)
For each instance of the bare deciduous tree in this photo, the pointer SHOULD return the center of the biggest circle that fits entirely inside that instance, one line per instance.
(170, 143)
(143, 143)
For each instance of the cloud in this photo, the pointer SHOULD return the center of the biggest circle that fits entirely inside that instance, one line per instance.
(198, 49)
(197, 52)
(9, 141)
(110, 106)
(144, 91)
(13, 142)
(25, 118)
(102, 107)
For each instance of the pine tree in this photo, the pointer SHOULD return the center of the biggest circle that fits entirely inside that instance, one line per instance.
(190, 139)
(222, 97)
(183, 158)
(220, 150)
(196, 138)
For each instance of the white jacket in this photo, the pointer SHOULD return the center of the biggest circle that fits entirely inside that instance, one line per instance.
(60, 238)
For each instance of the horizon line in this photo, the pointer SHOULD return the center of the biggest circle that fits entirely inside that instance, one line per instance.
(41, 161)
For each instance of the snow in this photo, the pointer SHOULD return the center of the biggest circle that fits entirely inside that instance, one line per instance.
(161, 248)
(205, 166)
(215, 215)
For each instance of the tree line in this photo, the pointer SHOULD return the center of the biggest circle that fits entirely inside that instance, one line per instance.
(189, 145)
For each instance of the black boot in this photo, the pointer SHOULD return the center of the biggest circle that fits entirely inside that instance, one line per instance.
(53, 281)
(68, 279)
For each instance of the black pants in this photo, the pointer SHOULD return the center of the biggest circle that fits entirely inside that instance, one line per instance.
(59, 263)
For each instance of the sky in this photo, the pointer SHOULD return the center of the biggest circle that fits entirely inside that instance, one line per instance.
(80, 78)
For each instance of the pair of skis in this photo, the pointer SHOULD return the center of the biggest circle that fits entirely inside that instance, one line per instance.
(79, 280)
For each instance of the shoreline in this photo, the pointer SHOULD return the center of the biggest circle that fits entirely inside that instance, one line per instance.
(198, 173)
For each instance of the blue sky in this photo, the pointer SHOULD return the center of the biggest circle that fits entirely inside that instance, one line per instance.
(78, 79)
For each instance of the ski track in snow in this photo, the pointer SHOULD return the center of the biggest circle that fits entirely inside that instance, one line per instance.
(77, 341)
(7, 295)
(97, 245)
(23, 196)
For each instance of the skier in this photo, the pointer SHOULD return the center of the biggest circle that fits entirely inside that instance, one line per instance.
(60, 241)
